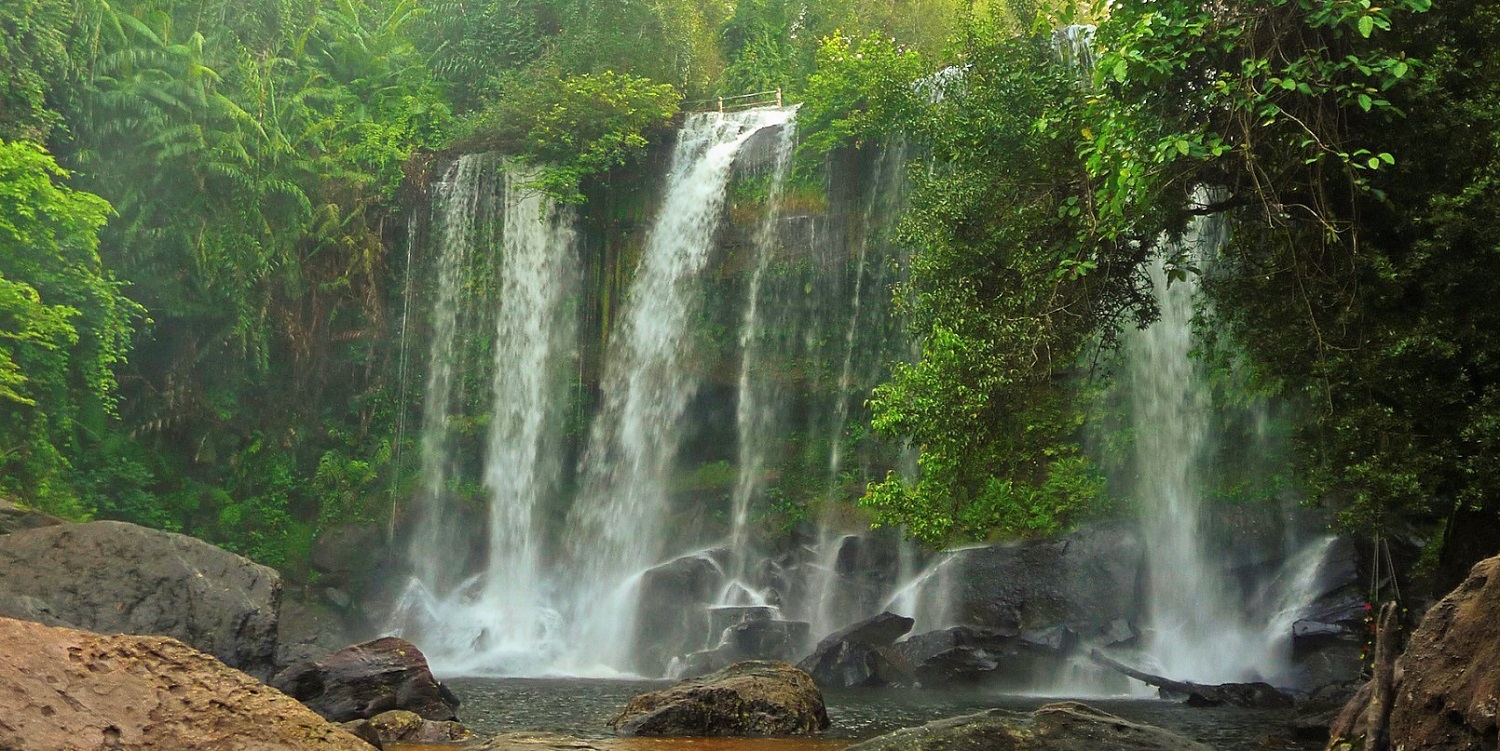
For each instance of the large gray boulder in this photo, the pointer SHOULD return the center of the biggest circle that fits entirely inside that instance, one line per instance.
(1066, 726)
(748, 698)
(118, 578)
(68, 689)
(673, 616)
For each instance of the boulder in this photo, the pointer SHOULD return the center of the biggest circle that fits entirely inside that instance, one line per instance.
(367, 679)
(68, 689)
(748, 698)
(861, 655)
(15, 517)
(118, 578)
(756, 637)
(346, 550)
(399, 726)
(1084, 582)
(965, 655)
(1065, 726)
(307, 629)
(672, 617)
(1447, 683)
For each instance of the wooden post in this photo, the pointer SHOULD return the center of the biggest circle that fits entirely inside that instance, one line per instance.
(778, 96)
(721, 105)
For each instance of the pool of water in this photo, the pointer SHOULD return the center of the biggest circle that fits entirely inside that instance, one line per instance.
(583, 707)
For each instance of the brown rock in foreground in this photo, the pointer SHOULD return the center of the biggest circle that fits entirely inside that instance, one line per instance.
(1065, 726)
(747, 698)
(62, 689)
(1446, 686)
(369, 678)
(399, 726)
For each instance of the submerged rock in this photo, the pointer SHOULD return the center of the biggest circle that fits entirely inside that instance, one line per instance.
(118, 578)
(963, 655)
(67, 689)
(1446, 691)
(366, 679)
(1066, 726)
(861, 655)
(749, 698)
(526, 741)
(400, 726)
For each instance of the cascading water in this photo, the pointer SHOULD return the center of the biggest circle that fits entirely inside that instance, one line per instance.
(456, 209)
(759, 405)
(1201, 623)
(617, 528)
(500, 620)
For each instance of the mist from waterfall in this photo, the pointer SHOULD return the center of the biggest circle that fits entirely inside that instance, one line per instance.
(1201, 622)
(499, 620)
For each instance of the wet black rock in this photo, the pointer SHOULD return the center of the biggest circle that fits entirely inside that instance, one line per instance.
(673, 615)
(965, 655)
(862, 655)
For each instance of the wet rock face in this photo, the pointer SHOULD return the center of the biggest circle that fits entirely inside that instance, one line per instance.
(1066, 726)
(748, 698)
(862, 655)
(673, 618)
(964, 655)
(1447, 684)
(118, 578)
(755, 636)
(66, 689)
(367, 679)
(1085, 582)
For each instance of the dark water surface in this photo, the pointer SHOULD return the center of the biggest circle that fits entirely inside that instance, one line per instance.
(582, 707)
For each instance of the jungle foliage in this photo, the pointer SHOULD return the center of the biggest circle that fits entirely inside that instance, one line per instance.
(201, 230)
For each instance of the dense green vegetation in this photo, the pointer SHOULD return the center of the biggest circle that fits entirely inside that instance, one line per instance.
(196, 307)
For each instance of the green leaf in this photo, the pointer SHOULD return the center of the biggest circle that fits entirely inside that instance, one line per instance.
(1365, 102)
(1120, 68)
(1182, 146)
(1399, 69)
(1366, 26)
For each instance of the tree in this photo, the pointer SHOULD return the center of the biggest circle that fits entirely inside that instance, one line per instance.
(64, 329)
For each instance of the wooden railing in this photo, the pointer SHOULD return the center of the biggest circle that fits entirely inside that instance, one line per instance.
(738, 103)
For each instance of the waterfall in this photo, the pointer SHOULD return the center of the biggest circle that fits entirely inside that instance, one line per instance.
(758, 408)
(456, 208)
(500, 621)
(619, 525)
(1202, 624)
